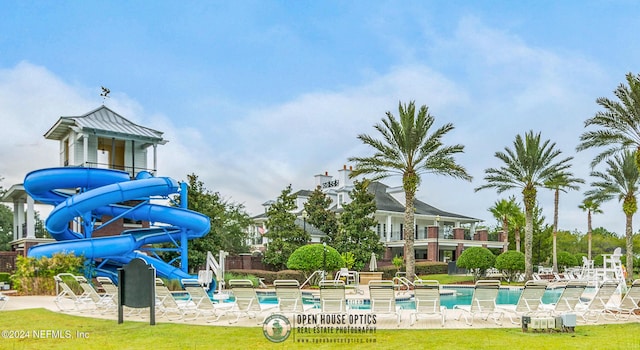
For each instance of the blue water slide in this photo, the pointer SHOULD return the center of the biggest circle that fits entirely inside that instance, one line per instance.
(85, 192)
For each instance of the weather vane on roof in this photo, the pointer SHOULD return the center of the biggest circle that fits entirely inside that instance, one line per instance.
(105, 93)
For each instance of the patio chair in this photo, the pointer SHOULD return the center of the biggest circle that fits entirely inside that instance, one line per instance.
(483, 303)
(629, 305)
(66, 294)
(3, 300)
(528, 303)
(246, 301)
(102, 302)
(332, 297)
(200, 302)
(289, 297)
(349, 277)
(568, 300)
(426, 294)
(168, 306)
(110, 289)
(383, 299)
(598, 304)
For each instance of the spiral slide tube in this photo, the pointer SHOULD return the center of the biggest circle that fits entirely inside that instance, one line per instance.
(101, 191)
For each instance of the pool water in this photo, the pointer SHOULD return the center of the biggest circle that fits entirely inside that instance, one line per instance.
(460, 296)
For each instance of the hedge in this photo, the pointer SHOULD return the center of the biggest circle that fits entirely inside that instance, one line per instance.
(422, 268)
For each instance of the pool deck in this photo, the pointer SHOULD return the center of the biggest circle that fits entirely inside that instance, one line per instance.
(386, 322)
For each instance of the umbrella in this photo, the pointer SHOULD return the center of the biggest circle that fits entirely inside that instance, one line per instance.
(373, 264)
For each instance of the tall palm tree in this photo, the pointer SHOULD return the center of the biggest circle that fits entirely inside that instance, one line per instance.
(409, 149)
(591, 206)
(503, 210)
(620, 180)
(530, 165)
(563, 182)
(619, 122)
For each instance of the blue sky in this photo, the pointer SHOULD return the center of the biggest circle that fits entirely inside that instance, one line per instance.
(256, 95)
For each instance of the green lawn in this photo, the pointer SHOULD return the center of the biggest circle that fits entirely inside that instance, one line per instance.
(90, 333)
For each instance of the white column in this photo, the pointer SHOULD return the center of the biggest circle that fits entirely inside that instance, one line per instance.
(85, 150)
(31, 222)
(16, 231)
(20, 212)
(388, 228)
(155, 159)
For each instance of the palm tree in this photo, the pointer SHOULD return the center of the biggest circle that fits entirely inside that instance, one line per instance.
(503, 210)
(409, 149)
(620, 180)
(563, 182)
(530, 165)
(517, 221)
(591, 206)
(620, 123)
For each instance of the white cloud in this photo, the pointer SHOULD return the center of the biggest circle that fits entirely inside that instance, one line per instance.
(500, 87)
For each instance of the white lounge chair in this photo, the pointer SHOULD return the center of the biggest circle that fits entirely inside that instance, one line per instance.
(332, 297)
(289, 297)
(203, 304)
(170, 307)
(246, 301)
(66, 295)
(568, 300)
(629, 305)
(383, 299)
(102, 302)
(598, 304)
(3, 300)
(483, 303)
(528, 303)
(427, 299)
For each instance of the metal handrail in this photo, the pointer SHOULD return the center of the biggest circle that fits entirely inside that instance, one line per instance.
(322, 274)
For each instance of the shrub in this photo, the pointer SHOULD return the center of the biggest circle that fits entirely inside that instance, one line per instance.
(5, 277)
(398, 262)
(267, 276)
(431, 268)
(236, 276)
(477, 260)
(510, 263)
(349, 259)
(291, 275)
(566, 259)
(311, 257)
(35, 276)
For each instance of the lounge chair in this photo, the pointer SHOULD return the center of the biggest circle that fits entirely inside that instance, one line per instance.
(483, 303)
(598, 304)
(528, 303)
(110, 289)
(427, 298)
(66, 294)
(203, 304)
(289, 297)
(3, 300)
(568, 300)
(102, 302)
(383, 299)
(332, 297)
(630, 303)
(246, 301)
(168, 306)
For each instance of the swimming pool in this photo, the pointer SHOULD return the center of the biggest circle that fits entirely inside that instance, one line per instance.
(461, 295)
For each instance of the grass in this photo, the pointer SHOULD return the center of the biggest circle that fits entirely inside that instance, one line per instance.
(448, 279)
(107, 334)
